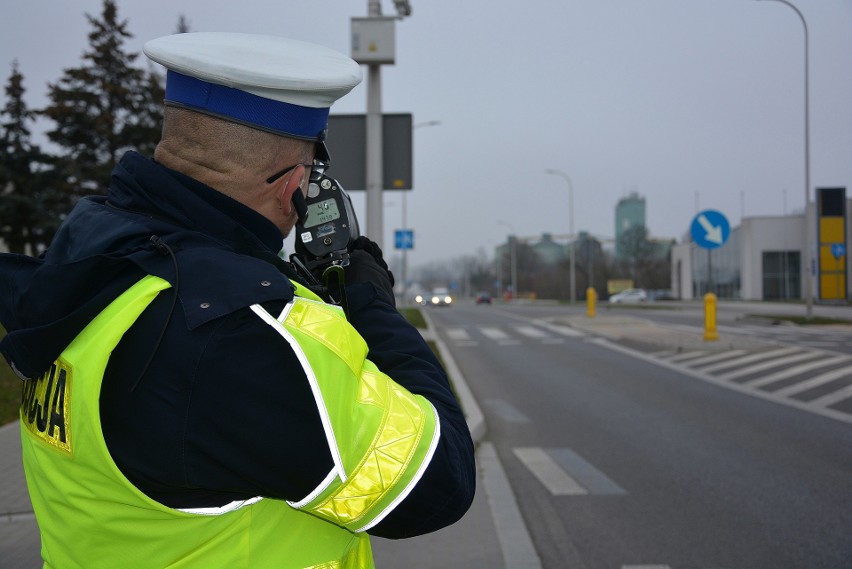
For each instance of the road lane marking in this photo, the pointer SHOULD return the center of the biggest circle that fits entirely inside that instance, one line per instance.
(748, 359)
(460, 337)
(543, 467)
(833, 398)
(457, 334)
(532, 332)
(499, 336)
(795, 370)
(563, 330)
(494, 333)
(714, 358)
(802, 386)
(506, 411)
(589, 477)
(773, 363)
(820, 344)
(538, 334)
(687, 356)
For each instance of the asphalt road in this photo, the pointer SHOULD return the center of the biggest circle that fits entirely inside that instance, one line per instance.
(617, 462)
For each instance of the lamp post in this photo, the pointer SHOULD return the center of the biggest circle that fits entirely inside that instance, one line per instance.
(405, 221)
(567, 178)
(513, 255)
(374, 58)
(810, 228)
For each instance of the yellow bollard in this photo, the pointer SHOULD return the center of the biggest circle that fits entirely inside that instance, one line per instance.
(591, 297)
(710, 331)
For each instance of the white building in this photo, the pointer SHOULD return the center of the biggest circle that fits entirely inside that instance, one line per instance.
(763, 260)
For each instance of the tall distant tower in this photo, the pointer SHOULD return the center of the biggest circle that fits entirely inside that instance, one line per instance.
(629, 212)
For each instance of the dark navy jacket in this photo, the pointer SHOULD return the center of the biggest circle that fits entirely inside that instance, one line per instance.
(202, 403)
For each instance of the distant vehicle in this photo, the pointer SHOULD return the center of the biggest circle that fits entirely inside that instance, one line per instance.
(629, 296)
(483, 298)
(420, 299)
(440, 297)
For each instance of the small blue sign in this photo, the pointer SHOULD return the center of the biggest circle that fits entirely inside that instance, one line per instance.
(710, 229)
(404, 238)
(838, 250)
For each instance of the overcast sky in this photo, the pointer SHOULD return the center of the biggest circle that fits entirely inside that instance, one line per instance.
(693, 104)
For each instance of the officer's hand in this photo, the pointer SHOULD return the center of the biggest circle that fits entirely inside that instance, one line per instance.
(366, 264)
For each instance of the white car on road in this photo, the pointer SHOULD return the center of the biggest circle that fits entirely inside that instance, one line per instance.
(629, 296)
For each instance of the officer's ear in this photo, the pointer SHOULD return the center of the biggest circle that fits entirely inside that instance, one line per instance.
(290, 194)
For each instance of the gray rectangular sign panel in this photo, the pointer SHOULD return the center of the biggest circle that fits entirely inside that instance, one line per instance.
(347, 144)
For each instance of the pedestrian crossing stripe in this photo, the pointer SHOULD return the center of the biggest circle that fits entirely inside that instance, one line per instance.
(565, 473)
(787, 372)
(823, 404)
(508, 336)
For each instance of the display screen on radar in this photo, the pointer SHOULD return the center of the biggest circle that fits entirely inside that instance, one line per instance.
(322, 212)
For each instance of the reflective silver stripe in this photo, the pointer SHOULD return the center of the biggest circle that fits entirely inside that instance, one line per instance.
(312, 381)
(433, 444)
(218, 511)
(316, 492)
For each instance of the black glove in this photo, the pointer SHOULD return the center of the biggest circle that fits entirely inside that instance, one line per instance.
(366, 264)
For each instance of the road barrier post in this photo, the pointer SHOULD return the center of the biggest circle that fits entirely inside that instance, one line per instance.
(591, 297)
(710, 331)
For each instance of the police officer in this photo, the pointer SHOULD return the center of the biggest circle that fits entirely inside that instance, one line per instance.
(188, 401)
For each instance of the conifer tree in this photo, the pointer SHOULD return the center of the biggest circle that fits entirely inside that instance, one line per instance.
(182, 25)
(104, 107)
(29, 207)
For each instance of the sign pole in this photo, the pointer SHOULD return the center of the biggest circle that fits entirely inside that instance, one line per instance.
(404, 251)
(375, 184)
(710, 284)
(710, 230)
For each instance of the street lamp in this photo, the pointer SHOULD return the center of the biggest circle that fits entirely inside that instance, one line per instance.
(809, 215)
(567, 178)
(513, 255)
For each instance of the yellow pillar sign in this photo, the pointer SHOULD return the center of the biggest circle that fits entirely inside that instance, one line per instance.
(710, 331)
(591, 298)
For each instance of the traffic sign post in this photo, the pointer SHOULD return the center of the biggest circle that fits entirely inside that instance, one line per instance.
(838, 251)
(710, 230)
(404, 239)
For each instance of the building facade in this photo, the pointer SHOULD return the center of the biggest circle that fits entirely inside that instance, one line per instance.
(629, 213)
(764, 259)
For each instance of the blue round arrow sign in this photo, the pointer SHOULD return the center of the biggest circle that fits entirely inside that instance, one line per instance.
(710, 229)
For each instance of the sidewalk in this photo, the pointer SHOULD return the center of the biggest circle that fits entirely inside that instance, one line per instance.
(638, 332)
(19, 539)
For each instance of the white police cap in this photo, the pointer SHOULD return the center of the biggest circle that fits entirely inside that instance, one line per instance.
(272, 83)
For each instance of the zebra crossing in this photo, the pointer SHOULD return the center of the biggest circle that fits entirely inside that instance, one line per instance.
(804, 336)
(511, 335)
(802, 377)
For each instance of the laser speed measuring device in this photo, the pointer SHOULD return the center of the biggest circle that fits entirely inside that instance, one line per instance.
(327, 224)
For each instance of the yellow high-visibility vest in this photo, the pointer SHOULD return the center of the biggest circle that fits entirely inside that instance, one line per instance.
(380, 436)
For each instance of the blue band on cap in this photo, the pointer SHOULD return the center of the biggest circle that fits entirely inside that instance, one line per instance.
(283, 118)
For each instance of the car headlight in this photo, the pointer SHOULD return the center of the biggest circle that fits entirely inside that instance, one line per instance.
(418, 299)
(448, 299)
(435, 300)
